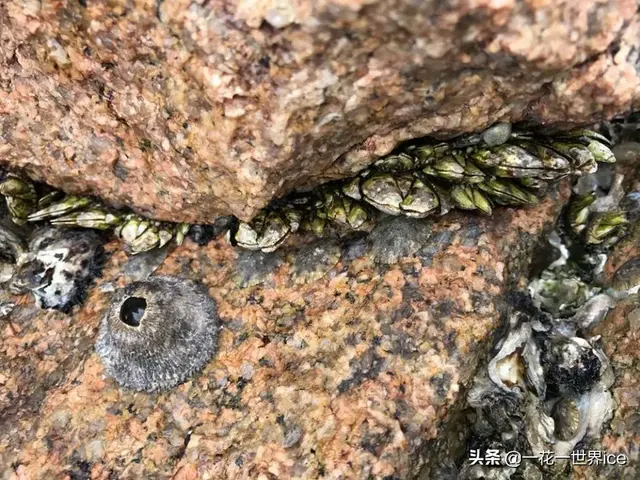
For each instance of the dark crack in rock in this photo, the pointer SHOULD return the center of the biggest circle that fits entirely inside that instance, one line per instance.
(203, 234)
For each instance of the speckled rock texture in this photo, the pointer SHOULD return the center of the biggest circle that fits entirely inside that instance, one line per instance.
(189, 109)
(346, 370)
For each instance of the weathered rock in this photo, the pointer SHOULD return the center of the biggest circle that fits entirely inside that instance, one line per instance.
(185, 110)
(348, 374)
(620, 336)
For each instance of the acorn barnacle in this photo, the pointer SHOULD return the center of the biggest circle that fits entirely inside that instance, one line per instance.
(61, 264)
(566, 416)
(398, 237)
(157, 333)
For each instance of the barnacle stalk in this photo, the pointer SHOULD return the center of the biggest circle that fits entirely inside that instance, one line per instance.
(67, 205)
(605, 225)
(95, 218)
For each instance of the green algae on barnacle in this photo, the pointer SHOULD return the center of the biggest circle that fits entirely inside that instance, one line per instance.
(597, 212)
(158, 333)
(21, 197)
(138, 233)
(473, 172)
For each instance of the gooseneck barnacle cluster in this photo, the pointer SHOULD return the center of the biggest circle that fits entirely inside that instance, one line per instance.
(426, 177)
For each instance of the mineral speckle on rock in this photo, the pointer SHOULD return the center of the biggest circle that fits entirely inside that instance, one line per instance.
(158, 333)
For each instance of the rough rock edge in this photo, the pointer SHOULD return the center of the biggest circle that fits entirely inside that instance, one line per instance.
(212, 105)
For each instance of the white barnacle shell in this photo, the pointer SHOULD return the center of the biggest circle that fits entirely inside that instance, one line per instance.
(497, 134)
(59, 266)
(506, 368)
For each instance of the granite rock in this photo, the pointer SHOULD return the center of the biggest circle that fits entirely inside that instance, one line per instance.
(185, 110)
(347, 374)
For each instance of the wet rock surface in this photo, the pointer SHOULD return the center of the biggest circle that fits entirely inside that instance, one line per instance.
(184, 110)
(349, 373)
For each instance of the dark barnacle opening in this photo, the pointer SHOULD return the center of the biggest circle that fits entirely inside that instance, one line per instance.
(132, 311)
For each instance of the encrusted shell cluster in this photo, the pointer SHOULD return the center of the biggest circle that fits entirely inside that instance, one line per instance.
(59, 266)
(472, 172)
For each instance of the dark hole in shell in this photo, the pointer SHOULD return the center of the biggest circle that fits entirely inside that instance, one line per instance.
(132, 310)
